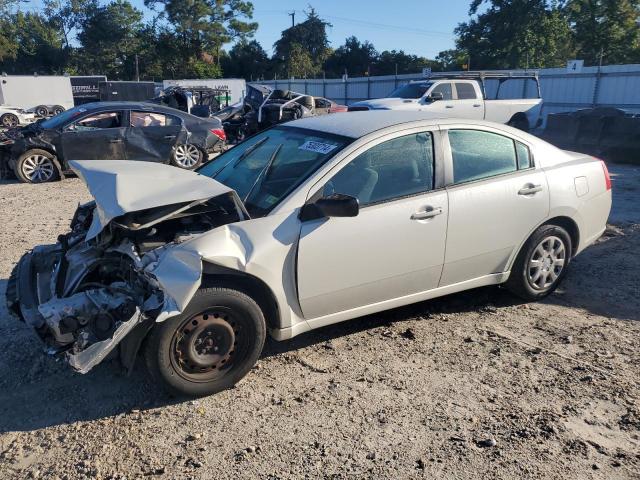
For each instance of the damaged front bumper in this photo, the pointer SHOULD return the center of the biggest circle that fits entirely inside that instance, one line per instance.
(124, 264)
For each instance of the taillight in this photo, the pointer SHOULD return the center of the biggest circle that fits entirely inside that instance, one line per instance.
(607, 177)
(219, 132)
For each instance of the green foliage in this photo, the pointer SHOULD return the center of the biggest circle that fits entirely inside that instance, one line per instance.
(246, 60)
(607, 27)
(303, 48)
(388, 61)
(515, 34)
(357, 58)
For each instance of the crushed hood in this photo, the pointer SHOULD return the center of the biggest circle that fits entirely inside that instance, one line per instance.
(120, 186)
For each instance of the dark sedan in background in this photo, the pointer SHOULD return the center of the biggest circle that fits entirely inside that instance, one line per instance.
(109, 131)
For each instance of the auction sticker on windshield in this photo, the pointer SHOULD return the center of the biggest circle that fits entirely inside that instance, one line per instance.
(317, 147)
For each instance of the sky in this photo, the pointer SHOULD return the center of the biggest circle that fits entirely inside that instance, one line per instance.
(420, 27)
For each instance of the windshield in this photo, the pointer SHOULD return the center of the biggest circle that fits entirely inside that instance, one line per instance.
(267, 167)
(62, 118)
(410, 90)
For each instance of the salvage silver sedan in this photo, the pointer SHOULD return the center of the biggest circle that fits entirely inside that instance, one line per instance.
(309, 223)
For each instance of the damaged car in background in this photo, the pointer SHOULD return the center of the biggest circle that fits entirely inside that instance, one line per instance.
(264, 107)
(303, 225)
(41, 151)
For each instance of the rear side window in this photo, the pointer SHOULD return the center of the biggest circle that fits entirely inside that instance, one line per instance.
(153, 119)
(524, 157)
(396, 168)
(445, 90)
(477, 154)
(465, 91)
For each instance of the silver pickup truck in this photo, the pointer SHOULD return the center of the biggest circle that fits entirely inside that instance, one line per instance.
(465, 96)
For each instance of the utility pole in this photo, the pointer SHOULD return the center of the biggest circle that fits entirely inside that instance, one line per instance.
(293, 18)
(137, 69)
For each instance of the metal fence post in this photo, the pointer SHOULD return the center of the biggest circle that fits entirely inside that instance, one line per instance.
(596, 88)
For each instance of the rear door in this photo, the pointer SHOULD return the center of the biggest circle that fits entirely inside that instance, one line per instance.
(151, 135)
(496, 197)
(97, 136)
(469, 103)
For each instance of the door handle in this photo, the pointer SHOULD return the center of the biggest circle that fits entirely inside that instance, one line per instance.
(115, 140)
(427, 213)
(530, 189)
(169, 137)
(448, 106)
(477, 105)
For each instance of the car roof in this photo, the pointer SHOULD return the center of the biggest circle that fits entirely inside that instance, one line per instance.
(359, 124)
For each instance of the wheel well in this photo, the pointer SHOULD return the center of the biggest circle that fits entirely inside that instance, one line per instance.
(572, 229)
(519, 116)
(255, 288)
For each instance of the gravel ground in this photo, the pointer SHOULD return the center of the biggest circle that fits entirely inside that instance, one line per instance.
(473, 385)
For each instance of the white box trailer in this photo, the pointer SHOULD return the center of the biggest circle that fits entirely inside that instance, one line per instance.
(41, 94)
(237, 87)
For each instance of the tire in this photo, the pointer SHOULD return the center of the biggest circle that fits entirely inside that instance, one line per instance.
(41, 111)
(520, 122)
(36, 166)
(229, 320)
(9, 120)
(186, 156)
(57, 109)
(535, 273)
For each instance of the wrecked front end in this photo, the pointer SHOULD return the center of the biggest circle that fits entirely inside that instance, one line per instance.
(98, 291)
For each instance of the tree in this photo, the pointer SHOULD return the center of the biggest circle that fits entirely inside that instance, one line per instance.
(8, 41)
(607, 27)
(201, 27)
(353, 56)
(452, 60)
(390, 62)
(515, 34)
(110, 40)
(246, 60)
(307, 42)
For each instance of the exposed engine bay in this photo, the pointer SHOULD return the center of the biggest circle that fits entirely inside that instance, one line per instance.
(87, 294)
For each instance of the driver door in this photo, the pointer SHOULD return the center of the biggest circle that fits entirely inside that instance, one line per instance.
(446, 106)
(151, 136)
(98, 136)
(394, 247)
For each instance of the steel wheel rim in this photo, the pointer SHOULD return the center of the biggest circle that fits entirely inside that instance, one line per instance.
(546, 263)
(187, 156)
(196, 360)
(10, 120)
(38, 168)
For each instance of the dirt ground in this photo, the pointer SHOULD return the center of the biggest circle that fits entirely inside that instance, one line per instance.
(473, 385)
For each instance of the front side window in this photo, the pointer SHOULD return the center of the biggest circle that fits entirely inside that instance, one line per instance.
(267, 167)
(153, 119)
(477, 154)
(445, 90)
(99, 121)
(392, 169)
(465, 91)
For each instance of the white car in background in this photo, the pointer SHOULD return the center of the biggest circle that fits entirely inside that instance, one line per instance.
(465, 96)
(13, 116)
(306, 224)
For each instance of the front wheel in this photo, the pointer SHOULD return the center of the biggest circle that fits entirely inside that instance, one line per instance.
(186, 156)
(541, 264)
(36, 166)
(9, 120)
(210, 346)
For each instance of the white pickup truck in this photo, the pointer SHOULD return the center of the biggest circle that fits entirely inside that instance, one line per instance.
(464, 96)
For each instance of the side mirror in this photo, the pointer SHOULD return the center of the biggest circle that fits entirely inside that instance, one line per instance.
(336, 205)
(434, 97)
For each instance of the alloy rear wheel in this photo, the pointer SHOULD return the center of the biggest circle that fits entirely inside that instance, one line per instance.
(187, 156)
